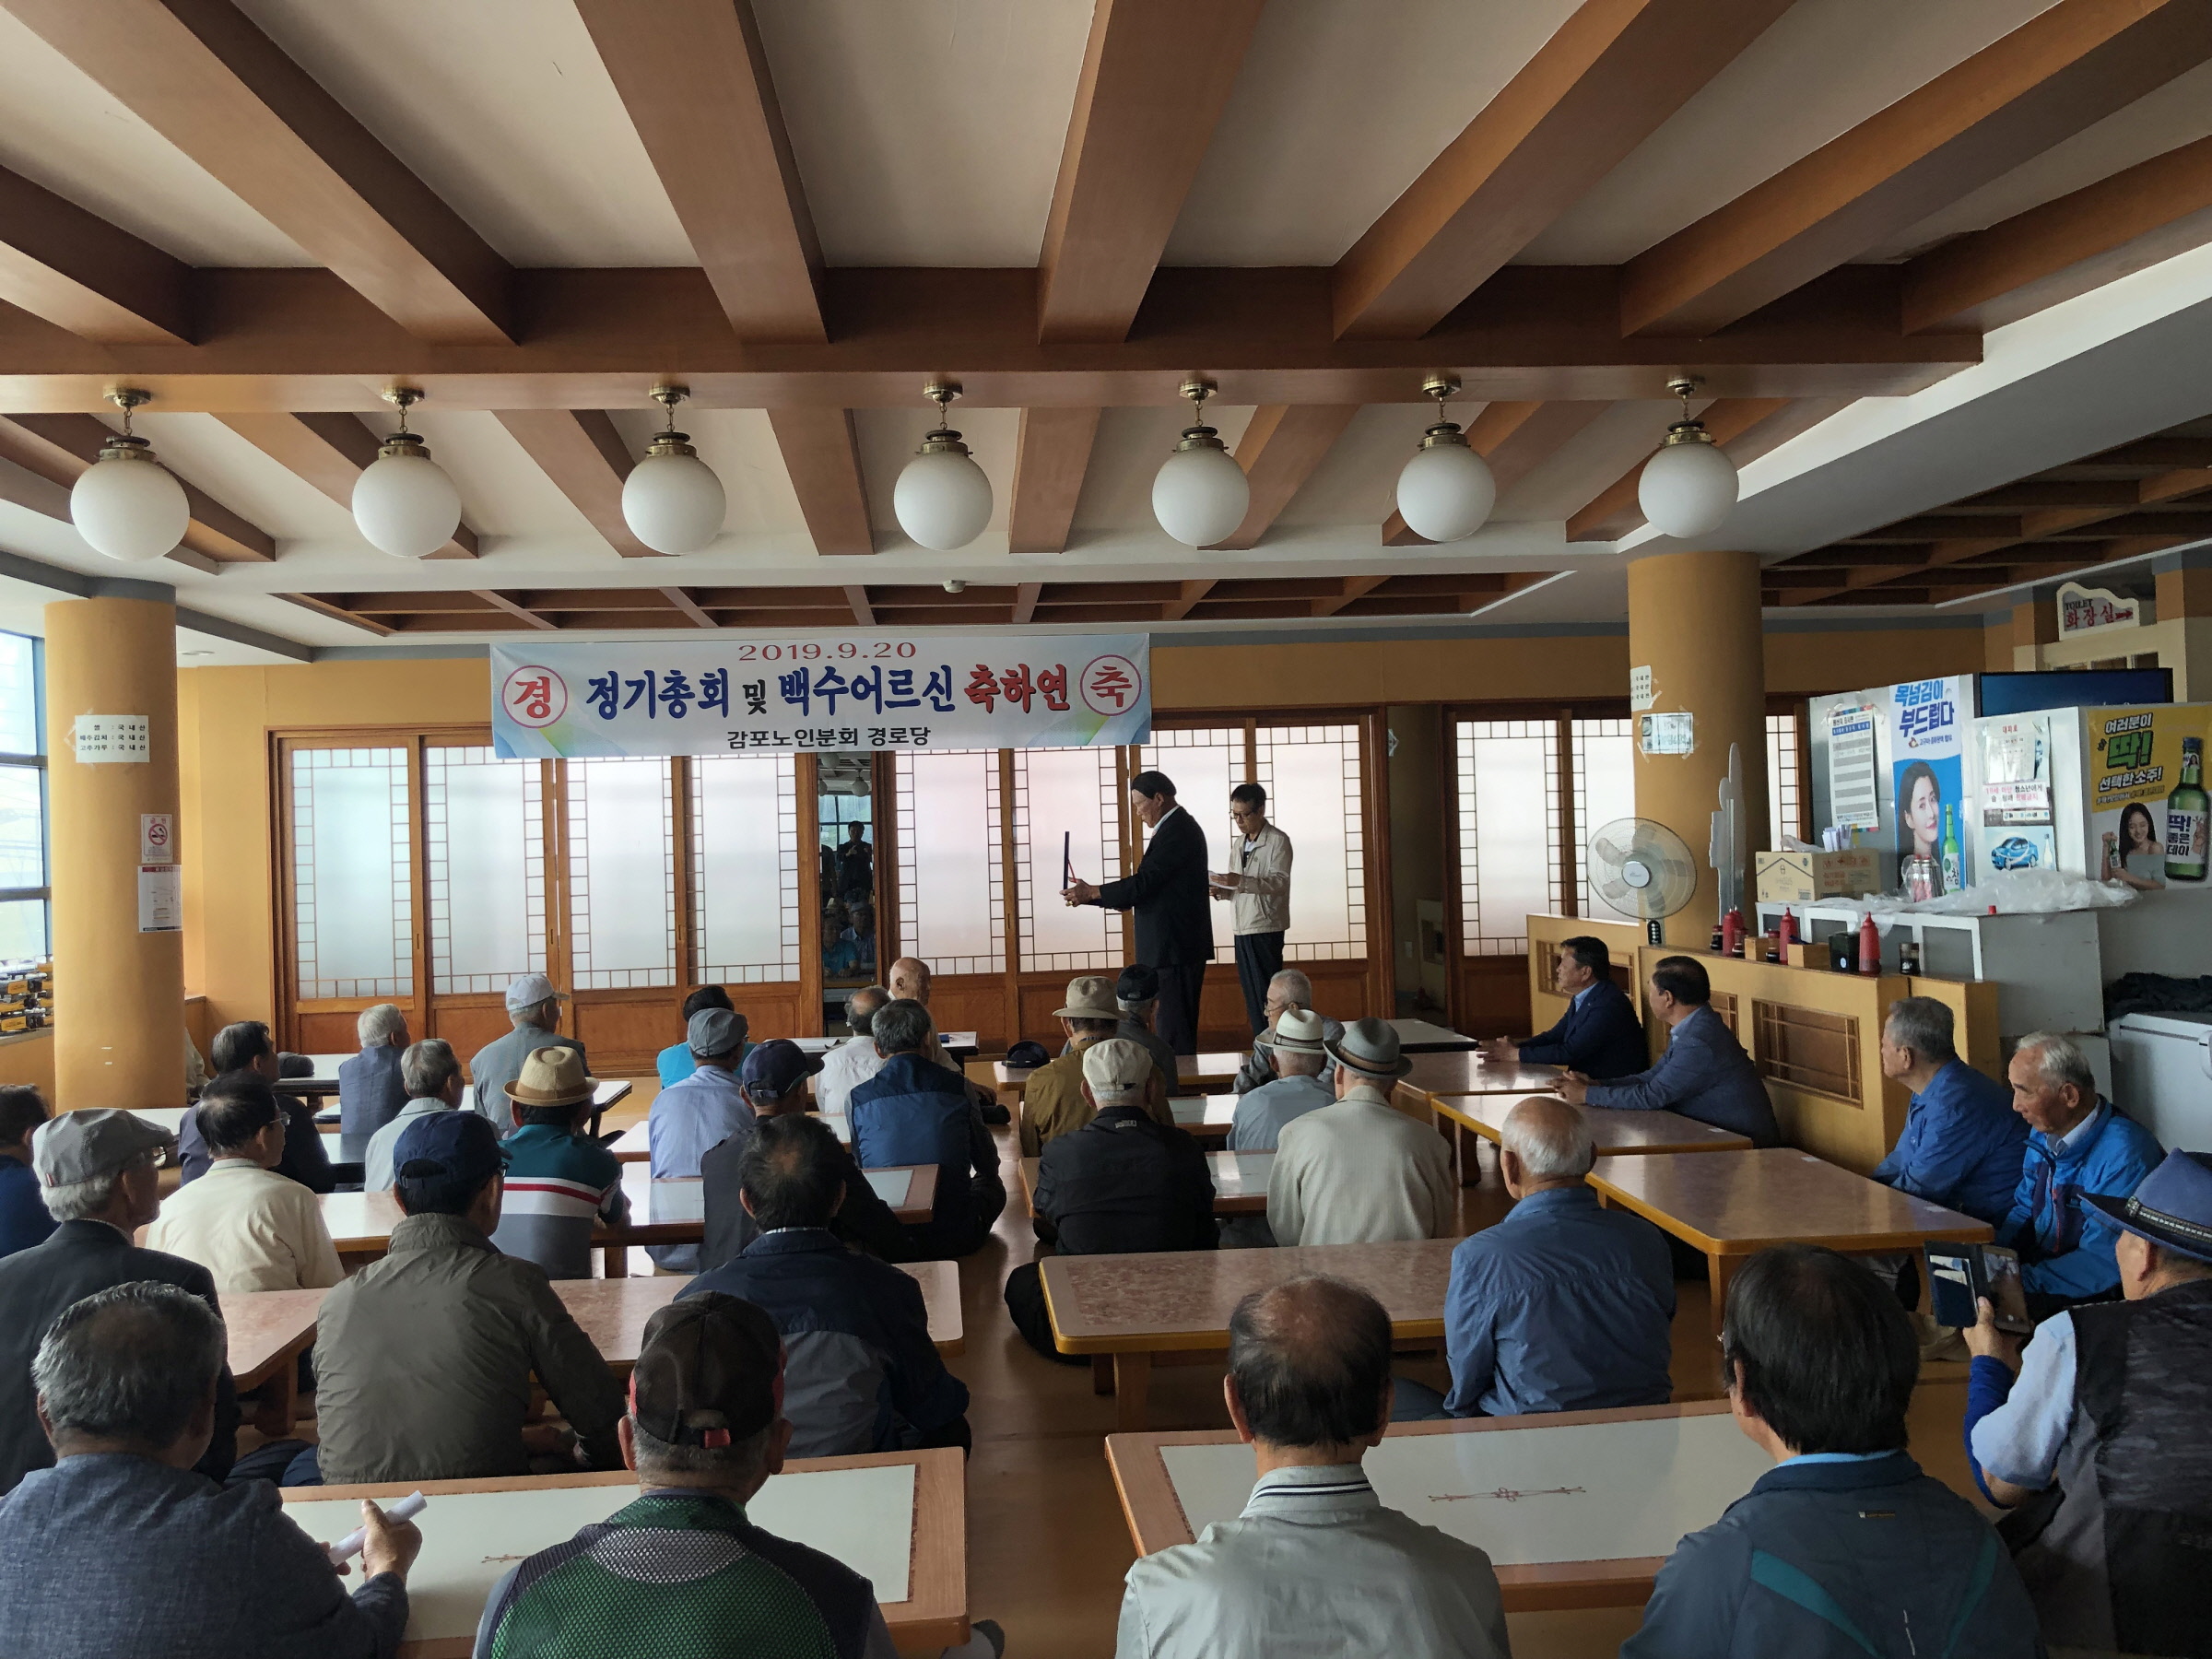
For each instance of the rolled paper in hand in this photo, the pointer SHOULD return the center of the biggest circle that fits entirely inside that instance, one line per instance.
(346, 1548)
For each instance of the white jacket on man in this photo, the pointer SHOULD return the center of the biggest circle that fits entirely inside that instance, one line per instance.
(1263, 901)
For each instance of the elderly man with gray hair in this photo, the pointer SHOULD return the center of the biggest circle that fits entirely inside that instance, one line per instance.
(135, 1552)
(1562, 1306)
(1961, 1143)
(534, 1009)
(854, 1060)
(1288, 989)
(371, 1091)
(432, 1074)
(2078, 1145)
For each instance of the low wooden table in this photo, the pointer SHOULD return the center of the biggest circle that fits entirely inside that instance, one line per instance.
(1205, 1118)
(613, 1311)
(268, 1330)
(907, 1533)
(1465, 1071)
(1615, 1132)
(1123, 1310)
(1419, 1037)
(1239, 1181)
(1734, 1207)
(1576, 1508)
(1204, 1072)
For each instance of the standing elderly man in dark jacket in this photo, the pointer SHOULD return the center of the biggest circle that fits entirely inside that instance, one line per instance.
(914, 1112)
(1169, 893)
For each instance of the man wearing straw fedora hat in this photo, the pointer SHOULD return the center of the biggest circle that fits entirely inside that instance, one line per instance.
(561, 1182)
(1361, 1171)
(1052, 1103)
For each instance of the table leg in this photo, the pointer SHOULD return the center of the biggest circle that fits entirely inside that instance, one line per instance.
(279, 1400)
(1132, 1390)
(615, 1261)
(1101, 1373)
(1719, 1271)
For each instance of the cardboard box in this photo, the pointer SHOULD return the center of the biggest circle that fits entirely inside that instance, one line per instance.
(1802, 877)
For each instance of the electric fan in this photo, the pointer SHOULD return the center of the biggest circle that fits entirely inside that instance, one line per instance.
(1642, 869)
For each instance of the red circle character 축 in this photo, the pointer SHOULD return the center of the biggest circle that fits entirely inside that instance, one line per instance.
(1111, 685)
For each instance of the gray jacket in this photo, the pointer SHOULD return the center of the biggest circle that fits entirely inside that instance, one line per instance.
(497, 1064)
(1315, 1564)
(1258, 1069)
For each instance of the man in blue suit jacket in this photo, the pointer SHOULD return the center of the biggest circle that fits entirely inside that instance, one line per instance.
(1703, 1074)
(1599, 1035)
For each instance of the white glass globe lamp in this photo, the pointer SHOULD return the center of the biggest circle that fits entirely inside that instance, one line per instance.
(403, 501)
(672, 500)
(1200, 495)
(942, 499)
(126, 504)
(1446, 491)
(1687, 489)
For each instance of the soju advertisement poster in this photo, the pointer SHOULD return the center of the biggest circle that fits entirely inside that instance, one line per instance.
(1927, 722)
(2149, 817)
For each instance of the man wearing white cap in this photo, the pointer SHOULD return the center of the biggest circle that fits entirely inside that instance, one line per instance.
(1361, 1171)
(534, 1006)
(1297, 1056)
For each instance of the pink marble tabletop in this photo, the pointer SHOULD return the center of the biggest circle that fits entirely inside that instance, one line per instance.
(1612, 1131)
(268, 1328)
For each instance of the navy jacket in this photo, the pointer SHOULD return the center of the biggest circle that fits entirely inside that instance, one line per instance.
(1174, 912)
(1961, 1146)
(861, 1374)
(863, 1221)
(23, 1217)
(304, 1159)
(1704, 1075)
(1840, 1560)
(917, 1112)
(1600, 1036)
(370, 1096)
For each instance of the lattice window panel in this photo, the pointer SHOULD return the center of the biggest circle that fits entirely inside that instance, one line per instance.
(785, 964)
(441, 771)
(1205, 763)
(1515, 833)
(966, 906)
(352, 784)
(1784, 796)
(621, 952)
(1040, 818)
(1327, 922)
(1599, 751)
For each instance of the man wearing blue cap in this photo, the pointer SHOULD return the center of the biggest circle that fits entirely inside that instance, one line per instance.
(2097, 1439)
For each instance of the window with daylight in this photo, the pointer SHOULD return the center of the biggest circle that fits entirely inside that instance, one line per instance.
(1066, 802)
(948, 811)
(353, 903)
(622, 874)
(1603, 753)
(1312, 775)
(24, 895)
(1205, 763)
(1784, 801)
(744, 868)
(1509, 831)
(484, 849)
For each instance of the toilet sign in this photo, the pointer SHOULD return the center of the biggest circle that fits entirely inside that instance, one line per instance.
(157, 837)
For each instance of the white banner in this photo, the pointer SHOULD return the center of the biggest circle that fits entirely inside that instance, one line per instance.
(1007, 689)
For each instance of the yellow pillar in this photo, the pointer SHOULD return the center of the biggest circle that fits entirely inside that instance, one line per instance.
(1694, 623)
(119, 993)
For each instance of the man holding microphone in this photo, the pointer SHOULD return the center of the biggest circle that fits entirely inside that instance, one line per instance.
(1258, 881)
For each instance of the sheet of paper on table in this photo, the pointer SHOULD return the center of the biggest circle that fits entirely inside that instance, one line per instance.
(1252, 1170)
(892, 1185)
(676, 1200)
(1582, 1492)
(862, 1517)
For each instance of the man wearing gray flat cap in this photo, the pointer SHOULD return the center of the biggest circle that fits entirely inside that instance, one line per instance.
(534, 1009)
(1361, 1171)
(690, 1119)
(99, 1174)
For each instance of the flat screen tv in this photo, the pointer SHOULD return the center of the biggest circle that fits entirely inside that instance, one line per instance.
(2074, 689)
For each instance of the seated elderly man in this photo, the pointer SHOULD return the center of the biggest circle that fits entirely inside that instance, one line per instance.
(23, 1217)
(99, 1173)
(1563, 1305)
(534, 1009)
(854, 1060)
(424, 1358)
(1846, 1544)
(121, 1548)
(1137, 995)
(561, 1183)
(861, 1374)
(914, 1112)
(1296, 1053)
(1052, 1103)
(433, 1076)
(674, 1063)
(370, 1090)
(1123, 1182)
(680, 1569)
(1315, 1564)
(248, 1047)
(1288, 989)
(247, 1225)
(1962, 1143)
(774, 1084)
(688, 1120)
(2097, 1442)
(2081, 1146)
(1361, 1171)
(909, 981)
(1704, 1074)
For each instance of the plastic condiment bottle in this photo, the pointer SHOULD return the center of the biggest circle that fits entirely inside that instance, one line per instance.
(1870, 946)
(1786, 929)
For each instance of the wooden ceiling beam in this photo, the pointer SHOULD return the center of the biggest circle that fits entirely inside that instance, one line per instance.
(1177, 609)
(1514, 437)
(2058, 73)
(1616, 510)
(202, 75)
(80, 273)
(1156, 76)
(330, 450)
(822, 456)
(499, 602)
(1278, 451)
(1025, 602)
(1605, 81)
(324, 606)
(1351, 588)
(864, 613)
(60, 447)
(2066, 246)
(1052, 456)
(689, 606)
(586, 459)
(695, 82)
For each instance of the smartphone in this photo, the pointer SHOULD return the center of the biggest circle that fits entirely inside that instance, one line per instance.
(1960, 1274)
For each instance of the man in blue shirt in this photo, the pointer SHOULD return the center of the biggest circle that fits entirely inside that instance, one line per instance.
(1963, 1142)
(370, 1092)
(1703, 1074)
(1599, 1035)
(1297, 1056)
(916, 1111)
(1563, 1305)
(674, 1063)
(2082, 1145)
(690, 1119)
(24, 1220)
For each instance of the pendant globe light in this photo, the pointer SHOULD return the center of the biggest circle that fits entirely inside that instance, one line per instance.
(1200, 495)
(1446, 492)
(1688, 488)
(126, 504)
(942, 499)
(403, 501)
(672, 500)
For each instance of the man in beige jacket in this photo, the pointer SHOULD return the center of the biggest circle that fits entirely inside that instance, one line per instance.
(1258, 880)
(1361, 1171)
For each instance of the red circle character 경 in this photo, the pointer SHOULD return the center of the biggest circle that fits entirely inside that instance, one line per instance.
(1111, 685)
(535, 697)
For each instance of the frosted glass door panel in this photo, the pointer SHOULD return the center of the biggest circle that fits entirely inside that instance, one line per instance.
(1605, 789)
(746, 865)
(1312, 777)
(949, 875)
(1070, 794)
(483, 839)
(1508, 830)
(1204, 766)
(622, 874)
(352, 875)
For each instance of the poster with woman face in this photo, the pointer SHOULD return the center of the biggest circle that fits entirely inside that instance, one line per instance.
(1926, 726)
(2148, 822)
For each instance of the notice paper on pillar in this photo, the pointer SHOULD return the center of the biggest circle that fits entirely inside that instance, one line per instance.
(1853, 792)
(1011, 690)
(1675, 732)
(160, 897)
(111, 739)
